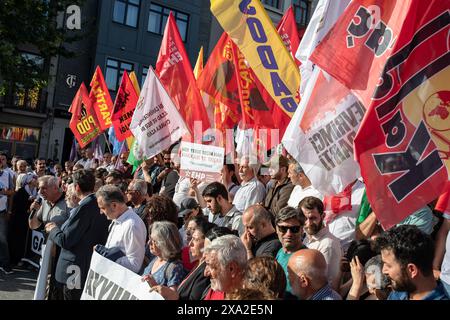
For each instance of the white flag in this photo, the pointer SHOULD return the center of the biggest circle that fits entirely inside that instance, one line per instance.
(156, 122)
(321, 132)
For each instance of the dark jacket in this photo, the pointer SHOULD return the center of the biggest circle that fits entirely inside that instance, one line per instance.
(85, 228)
(278, 196)
(195, 284)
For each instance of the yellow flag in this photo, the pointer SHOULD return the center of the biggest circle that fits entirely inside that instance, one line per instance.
(249, 26)
(135, 82)
(199, 64)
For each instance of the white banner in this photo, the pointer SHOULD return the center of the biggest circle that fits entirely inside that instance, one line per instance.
(45, 264)
(201, 162)
(108, 280)
(156, 122)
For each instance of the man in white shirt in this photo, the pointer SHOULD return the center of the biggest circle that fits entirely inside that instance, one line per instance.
(303, 187)
(127, 231)
(252, 191)
(319, 237)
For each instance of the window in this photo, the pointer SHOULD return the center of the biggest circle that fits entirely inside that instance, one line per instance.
(301, 11)
(29, 98)
(158, 16)
(114, 72)
(272, 3)
(126, 12)
(144, 76)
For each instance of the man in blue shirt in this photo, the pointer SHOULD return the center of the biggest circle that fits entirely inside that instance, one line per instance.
(407, 255)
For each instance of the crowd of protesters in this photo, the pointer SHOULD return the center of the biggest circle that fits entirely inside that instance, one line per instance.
(262, 232)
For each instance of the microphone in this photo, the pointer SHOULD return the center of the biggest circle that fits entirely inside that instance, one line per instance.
(33, 211)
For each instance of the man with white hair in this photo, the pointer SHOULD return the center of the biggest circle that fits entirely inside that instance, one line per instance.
(137, 195)
(303, 186)
(226, 260)
(53, 208)
(307, 271)
(252, 191)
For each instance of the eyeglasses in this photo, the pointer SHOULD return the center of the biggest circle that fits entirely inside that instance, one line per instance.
(284, 229)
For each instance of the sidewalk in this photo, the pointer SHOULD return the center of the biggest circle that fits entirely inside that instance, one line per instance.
(18, 285)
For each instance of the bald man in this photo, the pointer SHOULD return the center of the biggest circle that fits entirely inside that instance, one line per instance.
(307, 271)
(260, 237)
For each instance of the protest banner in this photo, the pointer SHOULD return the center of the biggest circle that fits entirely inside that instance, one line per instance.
(44, 271)
(156, 122)
(201, 162)
(107, 280)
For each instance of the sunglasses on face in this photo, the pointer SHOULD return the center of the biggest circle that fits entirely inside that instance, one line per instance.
(284, 229)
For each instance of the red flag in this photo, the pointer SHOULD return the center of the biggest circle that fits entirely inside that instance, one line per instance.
(395, 57)
(124, 106)
(218, 80)
(83, 123)
(175, 72)
(102, 102)
(287, 29)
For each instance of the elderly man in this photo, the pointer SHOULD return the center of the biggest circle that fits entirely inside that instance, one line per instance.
(252, 191)
(85, 228)
(127, 231)
(289, 223)
(303, 187)
(53, 208)
(226, 260)
(307, 270)
(260, 237)
(319, 237)
(137, 195)
(278, 194)
(221, 211)
(407, 255)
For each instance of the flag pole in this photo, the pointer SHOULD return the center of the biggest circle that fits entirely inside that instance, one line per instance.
(107, 142)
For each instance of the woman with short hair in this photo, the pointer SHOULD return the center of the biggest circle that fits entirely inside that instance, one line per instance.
(165, 268)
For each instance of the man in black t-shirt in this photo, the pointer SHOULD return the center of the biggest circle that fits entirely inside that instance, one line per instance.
(259, 237)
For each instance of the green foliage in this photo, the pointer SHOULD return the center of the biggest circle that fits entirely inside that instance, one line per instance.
(31, 24)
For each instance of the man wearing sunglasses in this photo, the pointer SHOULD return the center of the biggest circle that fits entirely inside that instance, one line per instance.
(289, 223)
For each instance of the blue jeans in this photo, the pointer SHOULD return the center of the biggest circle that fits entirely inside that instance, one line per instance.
(446, 287)
(4, 250)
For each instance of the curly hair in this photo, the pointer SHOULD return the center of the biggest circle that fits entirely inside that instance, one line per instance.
(265, 273)
(161, 208)
(409, 245)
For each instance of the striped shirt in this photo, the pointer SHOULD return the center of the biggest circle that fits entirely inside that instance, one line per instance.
(326, 293)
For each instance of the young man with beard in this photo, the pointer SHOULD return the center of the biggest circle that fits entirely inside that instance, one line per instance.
(278, 194)
(221, 211)
(226, 260)
(289, 223)
(259, 237)
(407, 255)
(319, 237)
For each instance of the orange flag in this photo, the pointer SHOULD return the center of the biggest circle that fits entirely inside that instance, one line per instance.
(101, 99)
(175, 72)
(124, 106)
(83, 123)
